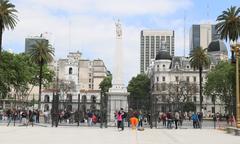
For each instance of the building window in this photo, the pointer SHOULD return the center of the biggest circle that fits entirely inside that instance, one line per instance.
(89, 86)
(93, 99)
(213, 109)
(46, 98)
(194, 79)
(187, 67)
(176, 78)
(90, 74)
(163, 66)
(70, 71)
(195, 99)
(84, 99)
(90, 80)
(163, 79)
(187, 79)
(157, 79)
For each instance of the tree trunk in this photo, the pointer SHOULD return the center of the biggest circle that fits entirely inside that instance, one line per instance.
(1, 33)
(40, 85)
(200, 86)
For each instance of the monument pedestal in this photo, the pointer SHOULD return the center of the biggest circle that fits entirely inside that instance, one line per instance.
(117, 99)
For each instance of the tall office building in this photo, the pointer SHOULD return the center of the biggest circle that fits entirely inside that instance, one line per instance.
(151, 43)
(202, 35)
(31, 41)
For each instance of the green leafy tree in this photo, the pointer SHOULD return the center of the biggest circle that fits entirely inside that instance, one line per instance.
(229, 24)
(8, 19)
(18, 74)
(106, 84)
(220, 84)
(139, 88)
(41, 53)
(200, 60)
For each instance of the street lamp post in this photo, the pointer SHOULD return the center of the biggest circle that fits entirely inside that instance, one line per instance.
(235, 49)
(78, 110)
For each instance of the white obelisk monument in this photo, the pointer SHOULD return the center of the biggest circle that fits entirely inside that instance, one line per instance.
(117, 96)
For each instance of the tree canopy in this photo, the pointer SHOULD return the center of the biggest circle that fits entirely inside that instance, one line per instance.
(19, 74)
(221, 84)
(139, 88)
(229, 24)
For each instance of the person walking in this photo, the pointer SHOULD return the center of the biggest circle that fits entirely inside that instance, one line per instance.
(9, 116)
(90, 115)
(24, 117)
(140, 120)
(195, 120)
(164, 119)
(169, 120)
(30, 118)
(176, 119)
(134, 122)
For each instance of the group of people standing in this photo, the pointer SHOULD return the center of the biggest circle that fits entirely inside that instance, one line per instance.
(135, 120)
(25, 117)
(169, 118)
(177, 118)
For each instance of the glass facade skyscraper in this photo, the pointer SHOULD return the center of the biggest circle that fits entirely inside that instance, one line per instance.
(151, 41)
(201, 35)
(31, 41)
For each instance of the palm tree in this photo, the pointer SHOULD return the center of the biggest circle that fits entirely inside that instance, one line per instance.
(228, 25)
(41, 53)
(8, 19)
(199, 60)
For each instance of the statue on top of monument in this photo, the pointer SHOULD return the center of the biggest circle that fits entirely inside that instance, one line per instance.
(118, 28)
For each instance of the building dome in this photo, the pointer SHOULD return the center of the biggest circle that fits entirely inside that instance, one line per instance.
(163, 55)
(217, 46)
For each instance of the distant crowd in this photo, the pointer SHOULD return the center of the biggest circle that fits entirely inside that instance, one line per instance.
(134, 119)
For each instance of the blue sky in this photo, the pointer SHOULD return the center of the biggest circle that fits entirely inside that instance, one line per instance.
(88, 25)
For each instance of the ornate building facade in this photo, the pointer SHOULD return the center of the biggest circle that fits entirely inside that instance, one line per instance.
(174, 82)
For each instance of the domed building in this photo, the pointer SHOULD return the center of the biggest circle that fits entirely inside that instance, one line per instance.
(217, 51)
(174, 82)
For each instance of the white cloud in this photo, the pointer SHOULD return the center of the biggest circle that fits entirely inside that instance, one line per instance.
(89, 26)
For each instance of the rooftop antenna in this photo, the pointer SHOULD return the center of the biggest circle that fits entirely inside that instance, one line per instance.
(208, 18)
(184, 33)
(69, 35)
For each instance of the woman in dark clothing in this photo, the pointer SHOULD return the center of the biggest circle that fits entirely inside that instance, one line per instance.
(30, 117)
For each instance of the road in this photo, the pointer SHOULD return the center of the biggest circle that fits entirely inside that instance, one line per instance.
(94, 135)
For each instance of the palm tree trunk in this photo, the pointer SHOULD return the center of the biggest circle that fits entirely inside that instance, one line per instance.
(1, 33)
(200, 90)
(40, 85)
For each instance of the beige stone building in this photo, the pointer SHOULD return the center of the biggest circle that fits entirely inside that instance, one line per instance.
(76, 76)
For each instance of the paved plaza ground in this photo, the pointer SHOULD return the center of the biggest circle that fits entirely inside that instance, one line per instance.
(94, 135)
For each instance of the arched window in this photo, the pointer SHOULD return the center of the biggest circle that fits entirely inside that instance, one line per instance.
(70, 71)
(93, 99)
(46, 98)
